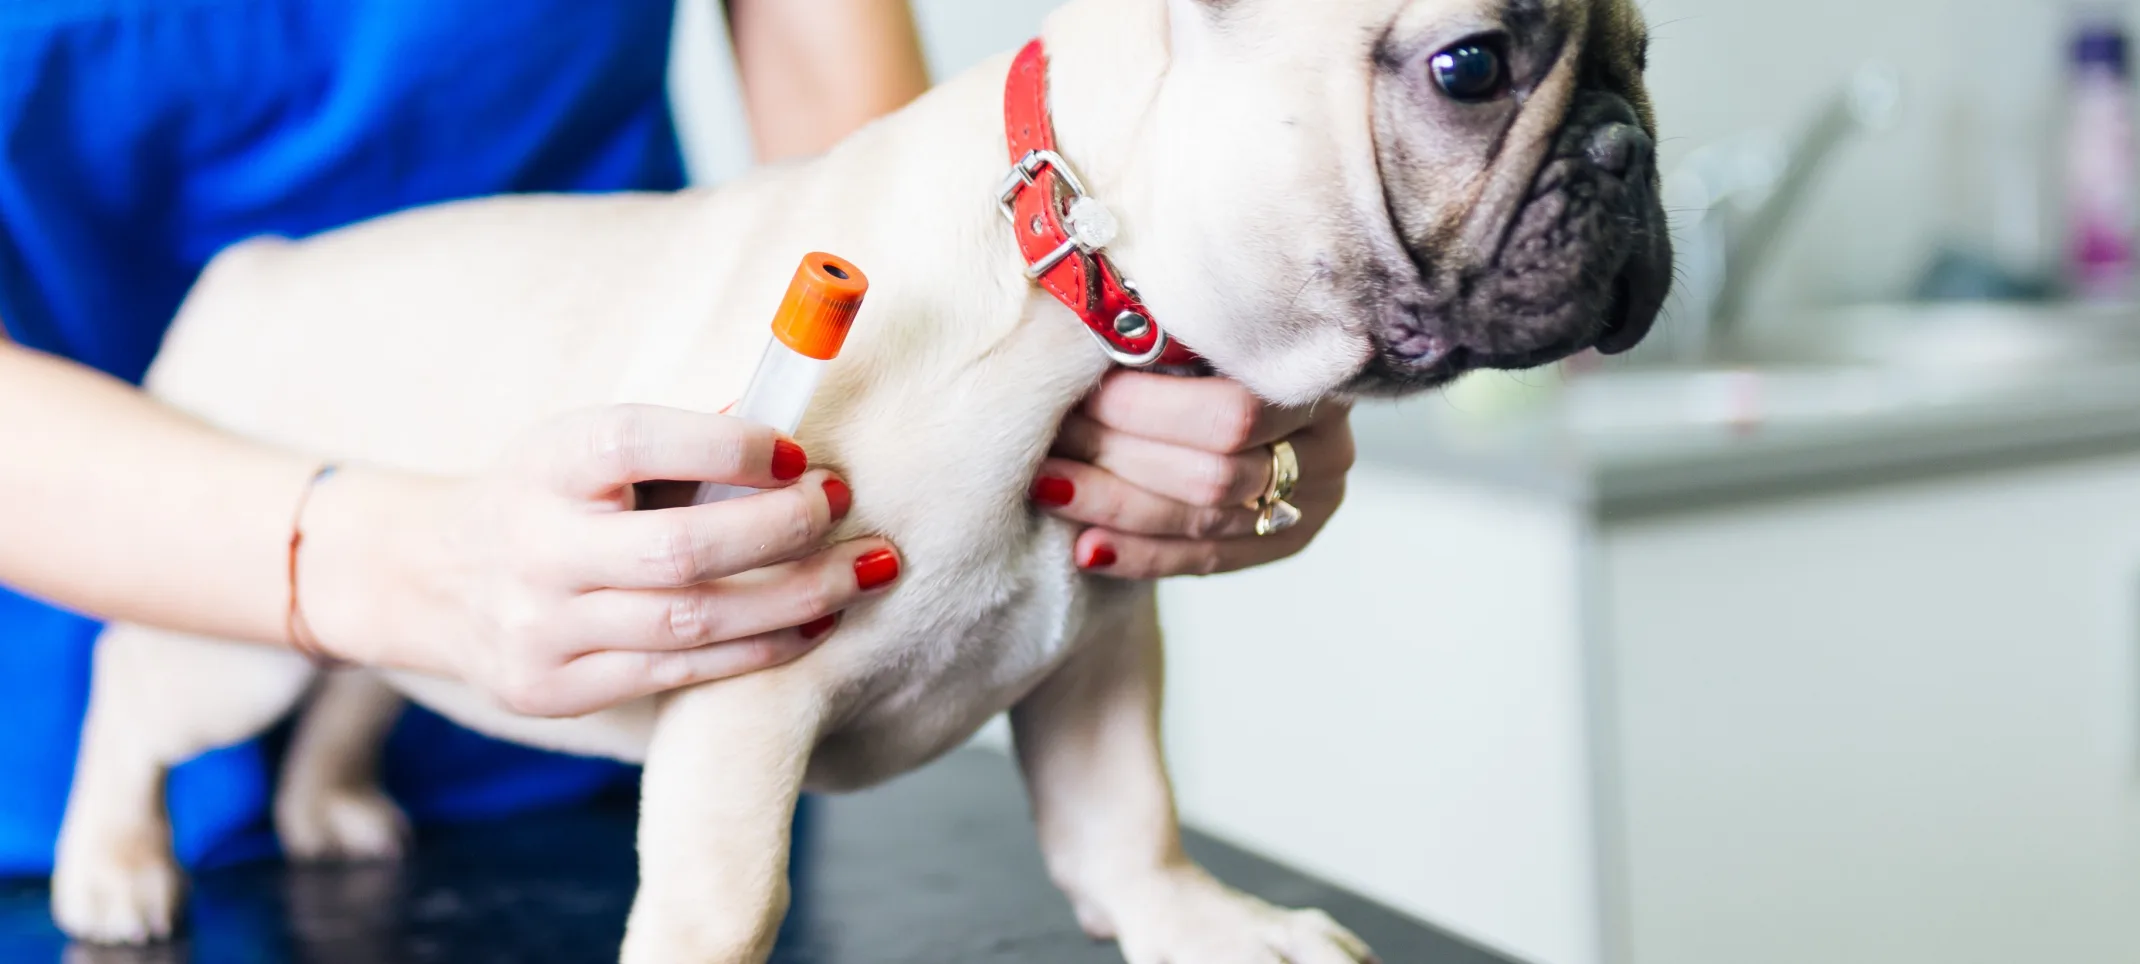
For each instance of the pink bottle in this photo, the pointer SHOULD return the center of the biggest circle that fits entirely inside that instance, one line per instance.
(2102, 166)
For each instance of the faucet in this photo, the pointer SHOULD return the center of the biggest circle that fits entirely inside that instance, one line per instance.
(1736, 197)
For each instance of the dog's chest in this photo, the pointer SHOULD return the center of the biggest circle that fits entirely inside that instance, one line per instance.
(940, 438)
(990, 600)
(936, 660)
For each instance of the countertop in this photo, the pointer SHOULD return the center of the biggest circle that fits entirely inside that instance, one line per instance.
(1634, 445)
(936, 868)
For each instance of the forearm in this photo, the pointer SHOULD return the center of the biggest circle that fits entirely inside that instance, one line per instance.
(114, 505)
(530, 580)
(815, 70)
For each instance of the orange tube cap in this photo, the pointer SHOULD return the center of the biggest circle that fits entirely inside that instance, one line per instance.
(821, 305)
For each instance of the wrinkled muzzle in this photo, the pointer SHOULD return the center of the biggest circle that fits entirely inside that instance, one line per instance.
(1584, 262)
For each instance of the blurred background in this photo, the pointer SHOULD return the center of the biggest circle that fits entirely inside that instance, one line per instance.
(1809, 633)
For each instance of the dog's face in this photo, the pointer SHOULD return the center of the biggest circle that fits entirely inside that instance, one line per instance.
(1376, 196)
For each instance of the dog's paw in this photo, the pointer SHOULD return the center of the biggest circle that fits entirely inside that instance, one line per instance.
(340, 824)
(1189, 918)
(117, 892)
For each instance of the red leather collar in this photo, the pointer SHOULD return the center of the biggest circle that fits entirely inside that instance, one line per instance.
(1064, 232)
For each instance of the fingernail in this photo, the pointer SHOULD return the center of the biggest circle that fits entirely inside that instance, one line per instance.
(839, 497)
(1053, 492)
(876, 569)
(818, 627)
(789, 460)
(1100, 556)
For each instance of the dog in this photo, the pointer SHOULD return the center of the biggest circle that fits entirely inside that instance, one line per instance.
(1322, 198)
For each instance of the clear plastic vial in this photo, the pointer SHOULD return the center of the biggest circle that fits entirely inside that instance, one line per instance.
(808, 332)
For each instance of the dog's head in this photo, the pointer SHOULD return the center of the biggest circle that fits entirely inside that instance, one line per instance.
(1376, 196)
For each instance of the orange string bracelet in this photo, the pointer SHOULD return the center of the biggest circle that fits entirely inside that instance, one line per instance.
(298, 632)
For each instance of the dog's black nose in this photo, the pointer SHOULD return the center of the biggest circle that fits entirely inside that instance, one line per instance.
(1620, 148)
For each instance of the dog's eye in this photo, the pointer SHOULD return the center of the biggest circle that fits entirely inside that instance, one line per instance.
(1471, 72)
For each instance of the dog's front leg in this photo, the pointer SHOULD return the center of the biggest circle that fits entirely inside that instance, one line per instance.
(716, 804)
(1088, 739)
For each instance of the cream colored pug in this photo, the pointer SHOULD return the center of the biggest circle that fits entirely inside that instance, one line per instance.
(1322, 197)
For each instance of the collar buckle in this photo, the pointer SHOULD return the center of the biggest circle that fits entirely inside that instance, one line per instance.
(1084, 237)
(1026, 171)
(1090, 228)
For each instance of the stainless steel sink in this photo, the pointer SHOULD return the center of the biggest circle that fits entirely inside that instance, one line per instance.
(1859, 363)
(1984, 339)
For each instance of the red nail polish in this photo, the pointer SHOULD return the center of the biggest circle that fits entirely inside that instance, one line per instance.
(818, 627)
(876, 569)
(1053, 492)
(789, 460)
(1098, 557)
(839, 497)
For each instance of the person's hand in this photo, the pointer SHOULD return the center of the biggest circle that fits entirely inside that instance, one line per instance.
(1166, 471)
(538, 583)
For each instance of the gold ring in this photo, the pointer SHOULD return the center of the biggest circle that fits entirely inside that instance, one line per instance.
(1273, 513)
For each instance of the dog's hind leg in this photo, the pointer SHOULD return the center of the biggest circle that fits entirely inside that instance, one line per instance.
(329, 805)
(717, 802)
(156, 699)
(1088, 739)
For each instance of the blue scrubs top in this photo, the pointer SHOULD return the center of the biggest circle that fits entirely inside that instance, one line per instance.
(139, 137)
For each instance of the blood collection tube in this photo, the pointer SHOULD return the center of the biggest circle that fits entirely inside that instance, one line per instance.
(807, 332)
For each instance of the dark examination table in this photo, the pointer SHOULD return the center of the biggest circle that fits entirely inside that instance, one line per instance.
(936, 868)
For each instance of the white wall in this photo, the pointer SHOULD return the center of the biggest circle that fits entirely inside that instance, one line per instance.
(955, 33)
